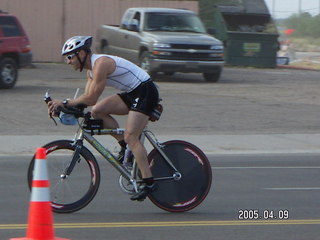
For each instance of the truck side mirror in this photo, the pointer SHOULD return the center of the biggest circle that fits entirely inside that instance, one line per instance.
(133, 25)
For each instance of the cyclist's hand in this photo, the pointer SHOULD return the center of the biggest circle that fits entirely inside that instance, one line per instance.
(52, 108)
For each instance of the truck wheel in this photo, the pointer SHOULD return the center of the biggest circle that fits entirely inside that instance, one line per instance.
(212, 77)
(8, 73)
(145, 64)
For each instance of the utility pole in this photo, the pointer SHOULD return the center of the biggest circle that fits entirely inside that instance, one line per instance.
(274, 8)
(300, 8)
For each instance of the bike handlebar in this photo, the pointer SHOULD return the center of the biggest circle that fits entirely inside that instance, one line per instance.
(77, 111)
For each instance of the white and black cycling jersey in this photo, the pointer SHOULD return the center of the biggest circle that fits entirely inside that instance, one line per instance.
(126, 77)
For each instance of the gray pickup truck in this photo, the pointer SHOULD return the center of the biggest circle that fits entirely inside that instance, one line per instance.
(163, 40)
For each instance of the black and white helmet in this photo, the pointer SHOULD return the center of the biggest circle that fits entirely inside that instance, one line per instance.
(75, 44)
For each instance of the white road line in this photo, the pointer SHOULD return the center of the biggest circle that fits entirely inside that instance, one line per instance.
(297, 167)
(290, 189)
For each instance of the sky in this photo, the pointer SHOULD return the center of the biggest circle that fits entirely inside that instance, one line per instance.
(285, 8)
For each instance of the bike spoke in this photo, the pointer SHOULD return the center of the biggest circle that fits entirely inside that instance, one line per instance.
(73, 192)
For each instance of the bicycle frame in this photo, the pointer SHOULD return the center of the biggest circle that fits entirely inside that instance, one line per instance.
(173, 192)
(130, 176)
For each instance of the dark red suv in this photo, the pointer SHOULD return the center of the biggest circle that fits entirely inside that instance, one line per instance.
(15, 50)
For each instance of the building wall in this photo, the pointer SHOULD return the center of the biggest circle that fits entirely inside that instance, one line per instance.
(49, 23)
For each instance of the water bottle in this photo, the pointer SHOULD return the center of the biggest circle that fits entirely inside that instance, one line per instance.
(67, 119)
(127, 160)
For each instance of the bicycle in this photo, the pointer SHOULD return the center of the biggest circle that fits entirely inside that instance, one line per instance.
(181, 170)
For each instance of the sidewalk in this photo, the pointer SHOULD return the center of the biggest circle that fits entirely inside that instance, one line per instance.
(214, 144)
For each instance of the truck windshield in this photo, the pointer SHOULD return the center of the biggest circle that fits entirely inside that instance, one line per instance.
(173, 22)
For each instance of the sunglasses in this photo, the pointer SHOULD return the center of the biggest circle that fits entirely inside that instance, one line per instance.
(69, 57)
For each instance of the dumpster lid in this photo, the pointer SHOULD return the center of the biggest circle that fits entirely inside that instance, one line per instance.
(246, 7)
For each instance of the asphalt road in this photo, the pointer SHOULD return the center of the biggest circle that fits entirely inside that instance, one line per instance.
(245, 101)
(283, 189)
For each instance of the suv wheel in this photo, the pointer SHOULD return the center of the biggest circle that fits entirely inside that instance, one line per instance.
(8, 73)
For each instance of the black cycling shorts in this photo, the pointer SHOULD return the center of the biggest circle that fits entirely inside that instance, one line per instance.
(142, 99)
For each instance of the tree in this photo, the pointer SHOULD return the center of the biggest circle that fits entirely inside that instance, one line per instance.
(305, 25)
(206, 9)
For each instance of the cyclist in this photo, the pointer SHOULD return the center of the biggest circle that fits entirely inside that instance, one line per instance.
(138, 98)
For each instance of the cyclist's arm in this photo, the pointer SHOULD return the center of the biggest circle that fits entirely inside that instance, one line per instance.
(95, 85)
(89, 80)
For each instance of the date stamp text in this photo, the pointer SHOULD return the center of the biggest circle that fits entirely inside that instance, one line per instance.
(254, 214)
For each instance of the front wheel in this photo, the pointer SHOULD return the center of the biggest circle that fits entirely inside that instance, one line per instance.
(191, 188)
(8, 73)
(69, 193)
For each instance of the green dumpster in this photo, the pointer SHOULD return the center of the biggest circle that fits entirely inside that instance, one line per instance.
(250, 39)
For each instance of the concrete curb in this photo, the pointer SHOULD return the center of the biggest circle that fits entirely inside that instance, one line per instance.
(210, 144)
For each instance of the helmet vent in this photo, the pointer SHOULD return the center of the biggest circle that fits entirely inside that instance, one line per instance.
(75, 44)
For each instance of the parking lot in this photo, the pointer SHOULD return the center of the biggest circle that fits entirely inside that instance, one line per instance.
(245, 101)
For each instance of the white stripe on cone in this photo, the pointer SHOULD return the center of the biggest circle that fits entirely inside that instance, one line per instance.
(40, 194)
(42, 171)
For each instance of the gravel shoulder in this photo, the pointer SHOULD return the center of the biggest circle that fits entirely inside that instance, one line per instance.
(245, 101)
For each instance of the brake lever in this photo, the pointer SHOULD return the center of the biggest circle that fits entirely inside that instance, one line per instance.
(55, 122)
(48, 99)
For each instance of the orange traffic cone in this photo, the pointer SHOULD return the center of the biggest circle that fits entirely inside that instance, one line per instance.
(40, 220)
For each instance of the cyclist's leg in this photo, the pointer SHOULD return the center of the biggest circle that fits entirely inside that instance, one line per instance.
(136, 122)
(107, 106)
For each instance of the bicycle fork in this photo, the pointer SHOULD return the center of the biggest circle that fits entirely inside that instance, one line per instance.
(75, 158)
